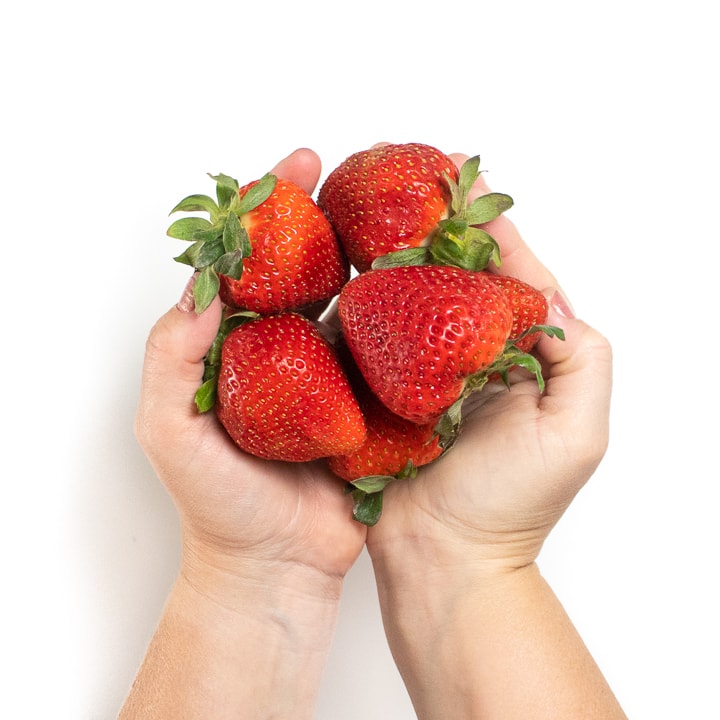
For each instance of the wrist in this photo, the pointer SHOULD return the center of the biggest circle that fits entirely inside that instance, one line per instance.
(253, 642)
(241, 580)
(450, 557)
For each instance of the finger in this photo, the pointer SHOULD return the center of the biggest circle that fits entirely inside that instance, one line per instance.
(173, 365)
(578, 380)
(301, 167)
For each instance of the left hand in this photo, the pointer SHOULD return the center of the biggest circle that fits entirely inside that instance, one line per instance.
(236, 510)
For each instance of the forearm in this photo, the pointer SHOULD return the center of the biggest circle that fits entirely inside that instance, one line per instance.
(493, 647)
(237, 649)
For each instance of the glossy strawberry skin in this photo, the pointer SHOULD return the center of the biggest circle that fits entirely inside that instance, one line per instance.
(529, 308)
(418, 332)
(282, 393)
(387, 198)
(296, 258)
(391, 441)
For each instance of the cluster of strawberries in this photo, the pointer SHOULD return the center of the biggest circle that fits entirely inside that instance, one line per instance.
(421, 323)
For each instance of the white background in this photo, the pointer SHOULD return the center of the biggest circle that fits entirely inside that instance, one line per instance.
(600, 120)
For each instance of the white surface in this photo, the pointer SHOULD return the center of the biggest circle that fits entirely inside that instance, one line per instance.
(599, 120)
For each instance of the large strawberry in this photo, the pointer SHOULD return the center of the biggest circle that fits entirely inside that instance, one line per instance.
(423, 335)
(282, 393)
(265, 247)
(402, 197)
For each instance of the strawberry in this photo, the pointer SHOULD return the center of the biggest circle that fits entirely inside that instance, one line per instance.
(403, 197)
(282, 393)
(423, 335)
(394, 449)
(394, 446)
(266, 246)
(529, 309)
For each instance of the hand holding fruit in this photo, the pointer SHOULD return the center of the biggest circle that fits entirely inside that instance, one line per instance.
(234, 506)
(446, 303)
(523, 454)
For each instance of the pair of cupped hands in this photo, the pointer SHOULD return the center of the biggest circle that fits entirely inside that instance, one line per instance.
(491, 501)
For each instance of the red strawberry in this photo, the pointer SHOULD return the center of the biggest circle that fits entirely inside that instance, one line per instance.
(394, 446)
(421, 335)
(529, 309)
(266, 246)
(403, 197)
(387, 198)
(282, 393)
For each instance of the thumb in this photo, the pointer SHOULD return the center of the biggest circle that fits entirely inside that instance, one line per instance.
(173, 365)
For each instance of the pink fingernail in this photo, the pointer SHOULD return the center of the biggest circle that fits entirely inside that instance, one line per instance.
(561, 305)
(186, 303)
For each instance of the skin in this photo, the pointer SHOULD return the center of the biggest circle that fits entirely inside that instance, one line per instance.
(473, 627)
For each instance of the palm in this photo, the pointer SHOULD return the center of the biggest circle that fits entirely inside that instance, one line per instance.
(507, 480)
(296, 512)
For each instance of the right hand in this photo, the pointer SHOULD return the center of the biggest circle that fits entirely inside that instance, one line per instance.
(522, 456)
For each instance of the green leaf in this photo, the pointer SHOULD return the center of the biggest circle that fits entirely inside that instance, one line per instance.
(401, 258)
(194, 203)
(212, 233)
(257, 194)
(235, 236)
(206, 395)
(409, 472)
(480, 249)
(191, 255)
(487, 207)
(206, 288)
(230, 264)
(185, 228)
(531, 363)
(549, 330)
(372, 483)
(208, 253)
(226, 189)
(456, 199)
(448, 426)
(186, 257)
(367, 507)
(469, 173)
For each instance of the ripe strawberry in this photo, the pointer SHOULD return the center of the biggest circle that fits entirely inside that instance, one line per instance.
(266, 247)
(402, 197)
(386, 198)
(394, 446)
(529, 309)
(282, 393)
(423, 335)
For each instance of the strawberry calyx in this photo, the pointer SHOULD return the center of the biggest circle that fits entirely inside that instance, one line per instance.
(367, 493)
(219, 243)
(449, 424)
(207, 392)
(458, 240)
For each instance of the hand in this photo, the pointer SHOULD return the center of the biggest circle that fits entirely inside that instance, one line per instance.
(523, 454)
(474, 628)
(234, 508)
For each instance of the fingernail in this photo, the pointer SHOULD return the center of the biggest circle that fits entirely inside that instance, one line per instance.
(186, 303)
(561, 305)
